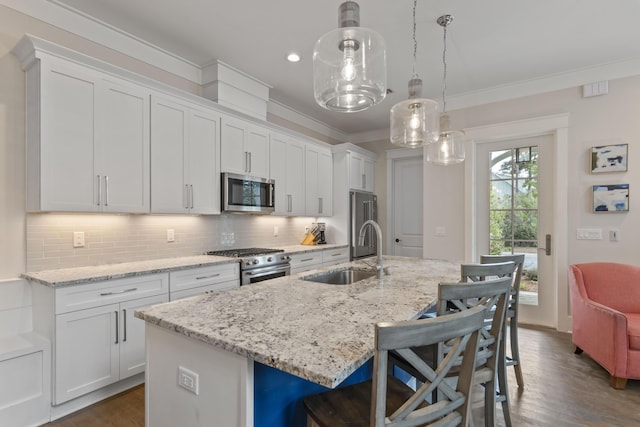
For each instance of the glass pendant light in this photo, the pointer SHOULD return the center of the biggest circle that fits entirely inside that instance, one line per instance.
(349, 65)
(449, 148)
(414, 122)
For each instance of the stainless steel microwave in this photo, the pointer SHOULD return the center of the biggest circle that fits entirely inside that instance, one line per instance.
(247, 194)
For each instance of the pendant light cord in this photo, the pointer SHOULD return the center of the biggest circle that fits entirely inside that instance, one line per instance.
(415, 40)
(444, 77)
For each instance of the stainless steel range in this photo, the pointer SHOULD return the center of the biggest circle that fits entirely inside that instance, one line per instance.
(258, 264)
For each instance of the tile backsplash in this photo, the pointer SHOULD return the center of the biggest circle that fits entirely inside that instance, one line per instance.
(123, 238)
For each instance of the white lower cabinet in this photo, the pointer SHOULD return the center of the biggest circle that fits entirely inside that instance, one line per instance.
(305, 261)
(335, 256)
(196, 281)
(96, 339)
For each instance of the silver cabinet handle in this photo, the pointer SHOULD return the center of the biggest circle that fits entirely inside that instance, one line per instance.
(208, 277)
(364, 181)
(118, 292)
(99, 189)
(246, 161)
(319, 204)
(106, 190)
(289, 203)
(306, 260)
(116, 312)
(249, 161)
(191, 194)
(186, 196)
(336, 254)
(124, 324)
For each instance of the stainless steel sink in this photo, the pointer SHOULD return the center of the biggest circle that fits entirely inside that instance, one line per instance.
(340, 277)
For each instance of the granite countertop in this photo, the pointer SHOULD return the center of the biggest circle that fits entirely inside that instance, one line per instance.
(82, 275)
(96, 273)
(315, 331)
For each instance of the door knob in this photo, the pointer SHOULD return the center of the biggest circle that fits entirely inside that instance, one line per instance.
(398, 240)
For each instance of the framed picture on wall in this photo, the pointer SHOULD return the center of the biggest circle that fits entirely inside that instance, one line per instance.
(609, 158)
(611, 198)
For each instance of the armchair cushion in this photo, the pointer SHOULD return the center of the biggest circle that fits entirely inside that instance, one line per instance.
(633, 325)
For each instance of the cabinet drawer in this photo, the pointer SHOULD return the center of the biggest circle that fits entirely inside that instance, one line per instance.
(97, 294)
(335, 256)
(201, 276)
(304, 259)
(217, 287)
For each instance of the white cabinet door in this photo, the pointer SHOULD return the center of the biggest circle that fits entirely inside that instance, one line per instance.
(122, 148)
(86, 351)
(169, 189)
(244, 148)
(361, 172)
(287, 169)
(203, 170)
(319, 178)
(61, 175)
(131, 334)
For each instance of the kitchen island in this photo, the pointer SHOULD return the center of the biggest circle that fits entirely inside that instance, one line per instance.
(248, 356)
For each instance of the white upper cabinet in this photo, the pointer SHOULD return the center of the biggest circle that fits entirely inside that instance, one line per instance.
(244, 148)
(87, 141)
(184, 167)
(286, 157)
(361, 171)
(319, 181)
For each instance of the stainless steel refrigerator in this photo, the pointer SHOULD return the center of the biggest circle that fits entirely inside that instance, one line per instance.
(362, 207)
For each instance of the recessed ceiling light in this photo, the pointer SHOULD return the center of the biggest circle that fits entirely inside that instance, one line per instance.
(293, 57)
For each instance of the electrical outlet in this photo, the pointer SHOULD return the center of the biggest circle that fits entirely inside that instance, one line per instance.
(188, 380)
(78, 239)
(614, 235)
(275, 231)
(171, 235)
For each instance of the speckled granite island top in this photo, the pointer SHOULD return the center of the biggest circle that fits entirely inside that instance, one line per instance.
(315, 331)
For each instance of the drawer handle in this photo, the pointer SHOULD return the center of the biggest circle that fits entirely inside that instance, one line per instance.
(336, 255)
(118, 292)
(305, 260)
(124, 324)
(207, 277)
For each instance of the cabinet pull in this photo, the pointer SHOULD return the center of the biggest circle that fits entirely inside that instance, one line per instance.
(336, 254)
(186, 196)
(364, 181)
(191, 194)
(319, 204)
(124, 324)
(118, 292)
(246, 161)
(106, 190)
(116, 312)
(249, 161)
(99, 190)
(289, 203)
(207, 277)
(306, 259)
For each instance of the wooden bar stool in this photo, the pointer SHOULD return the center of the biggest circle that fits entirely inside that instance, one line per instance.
(512, 310)
(385, 400)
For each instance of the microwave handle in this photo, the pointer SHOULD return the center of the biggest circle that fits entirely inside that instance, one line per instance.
(271, 195)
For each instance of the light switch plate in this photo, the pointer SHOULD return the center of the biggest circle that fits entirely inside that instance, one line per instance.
(589, 234)
(78, 239)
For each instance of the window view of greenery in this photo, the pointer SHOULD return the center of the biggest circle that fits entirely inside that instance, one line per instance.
(513, 208)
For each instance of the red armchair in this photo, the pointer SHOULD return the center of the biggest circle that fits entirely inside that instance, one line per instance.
(605, 305)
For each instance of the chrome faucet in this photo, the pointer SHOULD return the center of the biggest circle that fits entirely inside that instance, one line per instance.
(379, 268)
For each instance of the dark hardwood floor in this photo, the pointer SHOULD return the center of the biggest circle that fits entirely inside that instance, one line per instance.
(561, 390)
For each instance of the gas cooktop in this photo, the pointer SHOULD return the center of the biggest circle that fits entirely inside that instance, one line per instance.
(239, 253)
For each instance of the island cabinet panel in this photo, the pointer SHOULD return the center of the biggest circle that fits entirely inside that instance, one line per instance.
(335, 256)
(87, 140)
(286, 157)
(305, 261)
(244, 148)
(185, 174)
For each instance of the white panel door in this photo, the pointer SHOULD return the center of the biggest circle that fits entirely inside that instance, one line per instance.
(169, 122)
(295, 178)
(257, 145)
(122, 148)
(325, 182)
(407, 207)
(233, 154)
(132, 340)
(86, 351)
(204, 173)
(68, 181)
(278, 172)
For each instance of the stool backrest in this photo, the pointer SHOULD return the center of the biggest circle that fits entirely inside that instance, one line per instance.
(461, 330)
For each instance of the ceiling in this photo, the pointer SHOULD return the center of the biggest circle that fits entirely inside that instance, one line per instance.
(496, 48)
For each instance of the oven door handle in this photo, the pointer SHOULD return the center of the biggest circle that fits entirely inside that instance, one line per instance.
(267, 270)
